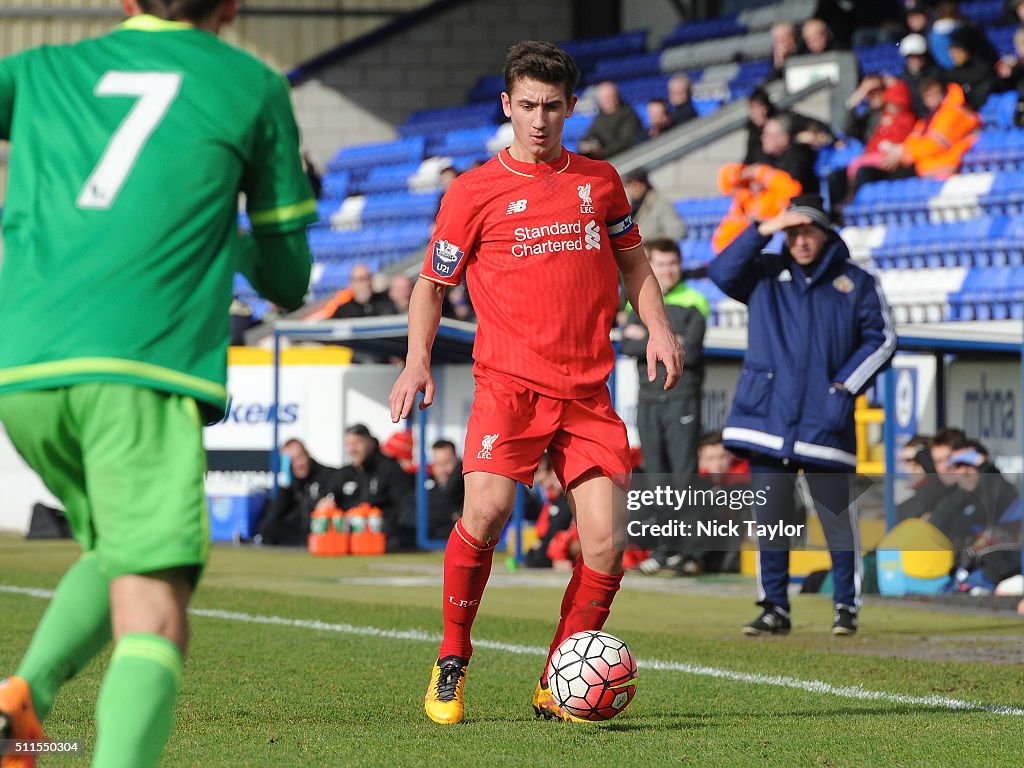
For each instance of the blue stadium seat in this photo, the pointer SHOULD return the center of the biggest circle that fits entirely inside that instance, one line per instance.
(462, 142)
(387, 178)
(400, 206)
(432, 121)
(364, 156)
(588, 52)
(622, 67)
(983, 12)
(487, 88)
(334, 185)
(704, 29)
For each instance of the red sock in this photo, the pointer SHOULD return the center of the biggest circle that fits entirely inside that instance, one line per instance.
(563, 614)
(586, 604)
(467, 566)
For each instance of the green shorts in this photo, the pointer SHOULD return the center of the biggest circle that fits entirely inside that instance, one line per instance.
(128, 464)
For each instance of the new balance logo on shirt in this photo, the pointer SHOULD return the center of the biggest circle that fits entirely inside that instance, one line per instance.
(516, 206)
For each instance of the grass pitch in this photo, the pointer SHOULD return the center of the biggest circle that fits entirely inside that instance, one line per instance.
(303, 662)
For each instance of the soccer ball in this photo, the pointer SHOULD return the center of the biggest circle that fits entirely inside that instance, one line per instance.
(592, 675)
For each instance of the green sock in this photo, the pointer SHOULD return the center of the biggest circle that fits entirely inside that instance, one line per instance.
(74, 628)
(136, 703)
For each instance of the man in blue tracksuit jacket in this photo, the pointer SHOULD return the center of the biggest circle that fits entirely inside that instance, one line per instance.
(819, 331)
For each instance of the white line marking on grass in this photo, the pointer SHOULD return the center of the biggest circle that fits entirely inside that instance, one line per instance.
(418, 635)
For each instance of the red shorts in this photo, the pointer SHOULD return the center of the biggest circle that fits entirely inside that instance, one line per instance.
(511, 426)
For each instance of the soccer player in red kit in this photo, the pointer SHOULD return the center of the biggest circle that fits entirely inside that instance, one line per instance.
(541, 235)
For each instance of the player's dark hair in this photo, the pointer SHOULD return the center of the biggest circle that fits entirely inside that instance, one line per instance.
(439, 444)
(541, 61)
(663, 244)
(179, 10)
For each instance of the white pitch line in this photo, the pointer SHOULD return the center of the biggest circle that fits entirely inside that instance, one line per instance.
(418, 635)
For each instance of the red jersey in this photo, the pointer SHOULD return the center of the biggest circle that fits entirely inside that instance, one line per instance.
(536, 243)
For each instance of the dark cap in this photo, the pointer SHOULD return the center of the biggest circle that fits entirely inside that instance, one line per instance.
(813, 207)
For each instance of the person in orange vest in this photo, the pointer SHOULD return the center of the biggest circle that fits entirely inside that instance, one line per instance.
(936, 146)
(762, 190)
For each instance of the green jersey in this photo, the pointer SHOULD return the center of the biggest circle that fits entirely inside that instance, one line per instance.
(121, 221)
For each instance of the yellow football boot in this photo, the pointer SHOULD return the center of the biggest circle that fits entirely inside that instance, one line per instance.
(444, 699)
(544, 705)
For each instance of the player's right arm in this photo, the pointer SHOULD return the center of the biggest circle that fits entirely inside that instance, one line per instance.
(456, 232)
(424, 317)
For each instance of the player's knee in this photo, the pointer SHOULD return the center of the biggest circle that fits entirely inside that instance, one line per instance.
(605, 555)
(484, 519)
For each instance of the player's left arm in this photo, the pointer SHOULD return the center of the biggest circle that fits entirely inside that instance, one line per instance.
(877, 340)
(645, 295)
(278, 266)
(279, 201)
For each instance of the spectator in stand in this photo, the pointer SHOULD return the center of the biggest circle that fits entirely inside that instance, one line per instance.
(399, 447)
(941, 447)
(763, 190)
(242, 320)
(374, 479)
(759, 109)
(928, 489)
(445, 178)
(949, 20)
(784, 45)
(1010, 70)
(680, 98)
(1014, 12)
(918, 65)
(918, 17)
(895, 124)
(719, 468)
(985, 496)
(659, 118)
(973, 68)
(615, 128)
(654, 214)
(931, 475)
(399, 293)
(555, 515)
(446, 490)
(817, 37)
(936, 146)
(285, 521)
(364, 302)
(862, 23)
(864, 108)
(458, 305)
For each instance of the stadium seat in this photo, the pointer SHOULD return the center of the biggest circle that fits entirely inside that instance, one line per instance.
(401, 152)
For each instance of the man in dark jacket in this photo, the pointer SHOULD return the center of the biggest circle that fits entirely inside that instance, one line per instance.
(286, 519)
(615, 128)
(379, 481)
(819, 332)
(669, 422)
